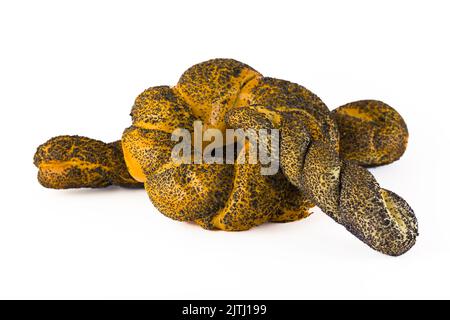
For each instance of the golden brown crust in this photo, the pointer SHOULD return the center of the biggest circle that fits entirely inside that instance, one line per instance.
(378, 217)
(371, 132)
(211, 88)
(188, 192)
(289, 97)
(146, 151)
(79, 162)
(225, 93)
(252, 201)
(159, 108)
(320, 177)
(119, 174)
(210, 91)
(294, 204)
(345, 191)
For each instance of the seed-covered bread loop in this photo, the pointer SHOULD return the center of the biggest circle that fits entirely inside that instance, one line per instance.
(318, 163)
(378, 217)
(222, 93)
(371, 132)
(78, 162)
(345, 191)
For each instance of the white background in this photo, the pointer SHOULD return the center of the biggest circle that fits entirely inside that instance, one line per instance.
(75, 67)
